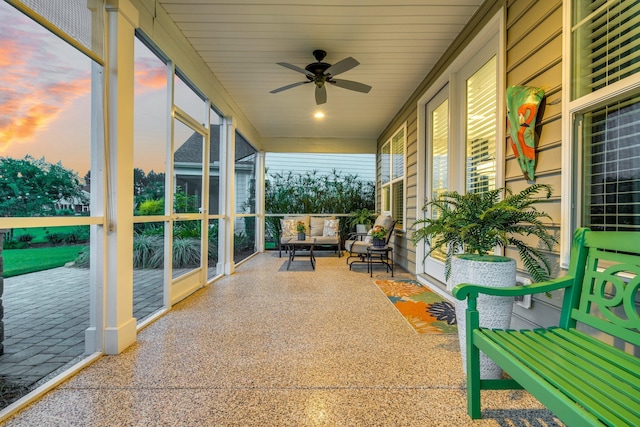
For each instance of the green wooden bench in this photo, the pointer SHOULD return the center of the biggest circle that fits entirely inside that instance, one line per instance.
(582, 380)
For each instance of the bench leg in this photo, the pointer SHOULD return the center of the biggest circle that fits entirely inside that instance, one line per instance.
(473, 373)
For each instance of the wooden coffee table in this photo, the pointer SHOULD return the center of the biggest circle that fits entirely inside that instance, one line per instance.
(294, 246)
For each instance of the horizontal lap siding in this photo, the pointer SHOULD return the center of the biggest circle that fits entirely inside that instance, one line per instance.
(534, 58)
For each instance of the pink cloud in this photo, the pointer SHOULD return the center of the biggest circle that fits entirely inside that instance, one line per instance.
(149, 75)
(37, 80)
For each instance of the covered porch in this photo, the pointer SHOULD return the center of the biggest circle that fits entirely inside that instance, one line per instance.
(267, 346)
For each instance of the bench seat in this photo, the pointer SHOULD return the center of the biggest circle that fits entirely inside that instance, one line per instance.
(581, 377)
(574, 375)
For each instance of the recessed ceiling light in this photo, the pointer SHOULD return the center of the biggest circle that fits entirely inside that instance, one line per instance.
(319, 115)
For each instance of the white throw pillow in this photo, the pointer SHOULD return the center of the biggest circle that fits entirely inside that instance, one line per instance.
(288, 227)
(331, 227)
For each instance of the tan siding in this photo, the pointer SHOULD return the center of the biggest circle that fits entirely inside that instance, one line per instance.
(534, 57)
(535, 11)
(538, 62)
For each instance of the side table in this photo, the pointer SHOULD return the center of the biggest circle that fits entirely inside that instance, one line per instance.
(379, 255)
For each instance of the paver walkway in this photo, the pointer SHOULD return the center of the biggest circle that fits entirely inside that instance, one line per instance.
(46, 314)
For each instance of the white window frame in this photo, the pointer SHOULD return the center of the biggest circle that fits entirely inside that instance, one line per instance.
(488, 43)
(571, 131)
(400, 178)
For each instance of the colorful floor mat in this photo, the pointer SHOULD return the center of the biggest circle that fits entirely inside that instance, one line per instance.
(425, 310)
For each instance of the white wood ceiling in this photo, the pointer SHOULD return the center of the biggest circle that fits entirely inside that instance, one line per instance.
(396, 42)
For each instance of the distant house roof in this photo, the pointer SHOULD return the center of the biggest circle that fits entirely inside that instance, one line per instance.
(191, 150)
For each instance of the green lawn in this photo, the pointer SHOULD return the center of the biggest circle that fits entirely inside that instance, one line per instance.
(22, 261)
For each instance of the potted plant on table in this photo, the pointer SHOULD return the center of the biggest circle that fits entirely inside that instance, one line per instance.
(378, 233)
(468, 228)
(301, 229)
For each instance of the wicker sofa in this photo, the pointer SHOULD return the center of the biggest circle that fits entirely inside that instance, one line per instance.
(325, 229)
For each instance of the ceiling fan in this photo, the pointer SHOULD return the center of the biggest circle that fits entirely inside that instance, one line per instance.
(320, 73)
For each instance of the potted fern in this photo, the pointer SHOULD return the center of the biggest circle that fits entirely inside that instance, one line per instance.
(362, 219)
(468, 228)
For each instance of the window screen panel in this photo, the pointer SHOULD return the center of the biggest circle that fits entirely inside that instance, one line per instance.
(606, 40)
(611, 155)
(80, 20)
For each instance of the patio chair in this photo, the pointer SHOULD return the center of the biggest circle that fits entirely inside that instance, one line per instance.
(356, 244)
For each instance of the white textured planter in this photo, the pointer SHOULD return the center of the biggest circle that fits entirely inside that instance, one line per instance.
(495, 312)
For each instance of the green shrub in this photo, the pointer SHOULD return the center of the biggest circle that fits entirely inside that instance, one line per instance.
(187, 230)
(186, 253)
(82, 233)
(289, 193)
(55, 238)
(77, 235)
(148, 251)
(26, 238)
(14, 244)
(150, 229)
(83, 258)
(151, 207)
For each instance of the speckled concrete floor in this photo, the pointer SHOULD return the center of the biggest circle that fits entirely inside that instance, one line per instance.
(270, 347)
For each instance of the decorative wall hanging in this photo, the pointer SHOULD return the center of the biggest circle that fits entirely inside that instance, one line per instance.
(523, 103)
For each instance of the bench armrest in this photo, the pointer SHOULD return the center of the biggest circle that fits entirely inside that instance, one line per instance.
(464, 290)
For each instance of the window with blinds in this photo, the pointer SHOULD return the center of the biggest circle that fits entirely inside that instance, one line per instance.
(611, 176)
(79, 22)
(397, 206)
(392, 176)
(481, 129)
(385, 163)
(439, 154)
(606, 43)
(397, 145)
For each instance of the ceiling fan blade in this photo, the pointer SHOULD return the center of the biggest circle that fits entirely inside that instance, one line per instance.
(321, 94)
(351, 85)
(294, 68)
(289, 86)
(341, 66)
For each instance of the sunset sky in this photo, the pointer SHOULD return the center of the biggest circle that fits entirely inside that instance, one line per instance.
(45, 98)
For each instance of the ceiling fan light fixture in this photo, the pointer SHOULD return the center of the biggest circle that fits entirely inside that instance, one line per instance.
(319, 115)
(320, 73)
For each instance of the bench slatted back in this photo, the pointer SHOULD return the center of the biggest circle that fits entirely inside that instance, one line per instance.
(609, 297)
